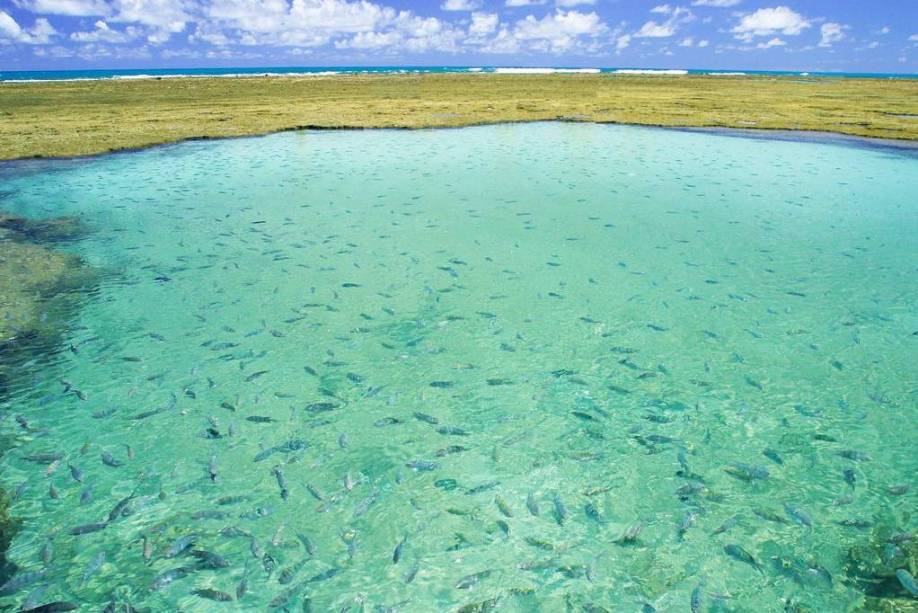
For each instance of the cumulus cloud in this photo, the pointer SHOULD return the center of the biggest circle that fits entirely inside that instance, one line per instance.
(104, 34)
(831, 32)
(774, 42)
(73, 8)
(461, 5)
(769, 22)
(40, 33)
(665, 29)
(483, 23)
(716, 3)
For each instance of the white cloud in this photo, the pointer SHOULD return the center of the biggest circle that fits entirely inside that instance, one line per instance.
(831, 32)
(524, 2)
(716, 3)
(677, 16)
(555, 32)
(573, 3)
(703, 43)
(770, 21)
(461, 5)
(103, 33)
(884, 30)
(774, 42)
(688, 41)
(40, 33)
(73, 8)
(913, 38)
(622, 42)
(483, 23)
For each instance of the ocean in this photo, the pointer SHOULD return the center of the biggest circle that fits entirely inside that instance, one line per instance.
(536, 367)
(65, 75)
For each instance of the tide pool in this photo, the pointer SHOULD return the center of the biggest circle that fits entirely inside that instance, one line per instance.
(531, 367)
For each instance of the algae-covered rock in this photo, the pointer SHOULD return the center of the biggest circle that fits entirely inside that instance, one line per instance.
(872, 566)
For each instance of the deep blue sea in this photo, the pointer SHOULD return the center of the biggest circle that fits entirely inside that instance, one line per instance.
(135, 73)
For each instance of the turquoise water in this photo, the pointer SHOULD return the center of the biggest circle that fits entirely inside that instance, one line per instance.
(566, 366)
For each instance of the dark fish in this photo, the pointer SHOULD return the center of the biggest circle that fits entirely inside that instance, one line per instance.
(484, 487)
(532, 504)
(798, 515)
(181, 545)
(76, 473)
(88, 528)
(397, 552)
(255, 375)
(631, 533)
(747, 472)
(728, 523)
(110, 460)
(58, 605)
(471, 580)
(422, 465)
(430, 419)
(21, 580)
(738, 553)
(210, 560)
(907, 581)
(119, 508)
(696, 599)
(853, 455)
(452, 431)
(260, 419)
(772, 455)
(167, 577)
(561, 513)
(287, 575)
(281, 483)
(212, 594)
(321, 407)
(325, 575)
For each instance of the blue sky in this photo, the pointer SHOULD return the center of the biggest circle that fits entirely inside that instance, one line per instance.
(832, 35)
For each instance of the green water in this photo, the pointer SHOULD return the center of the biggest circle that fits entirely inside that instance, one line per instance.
(616, 318)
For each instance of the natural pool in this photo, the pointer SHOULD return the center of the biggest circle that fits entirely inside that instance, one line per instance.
(533, 367)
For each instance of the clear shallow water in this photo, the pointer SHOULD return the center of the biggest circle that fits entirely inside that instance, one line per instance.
(620, 319)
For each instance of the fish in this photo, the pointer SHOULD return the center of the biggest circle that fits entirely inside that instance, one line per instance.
(212, 469)
(210, 560)
(532, 504)
(728, 523)
(696, 599)
(798, 515)
(281, 483)
(854, 455)
(772, 455)
(119, 508)
(255, 375)
(397, 552)
(110, 460)
(76, 473)
(88, 528)
(181, 545)
(411, 573)
(422, 465)
(57, 605)
(21, 580)
(94, 565)
(430, 419)
(452, 431)
(907, 581)
(288, 574)
(631, 533)
(484, 487)
(747, 472)
(212, 594)
(324, 575)
(769, 515)
(471, 580)
(284, 597)
(167, 577)
(685, 523)
(738, 553)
